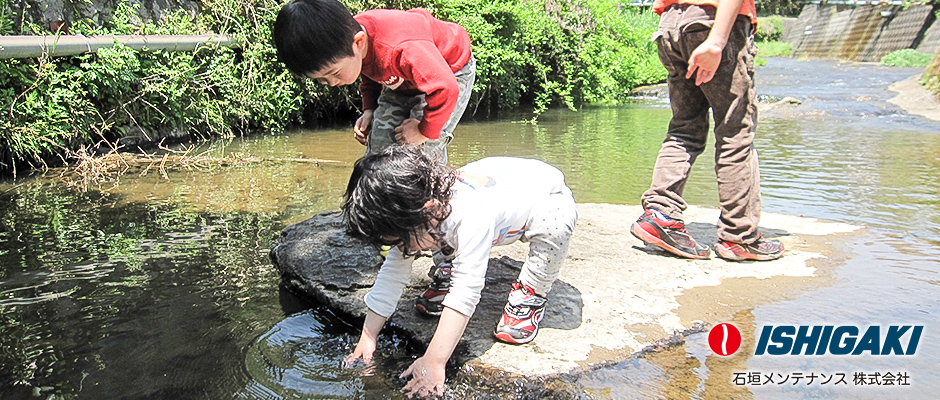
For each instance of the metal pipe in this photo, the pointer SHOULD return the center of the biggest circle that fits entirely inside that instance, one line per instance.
(69, 45)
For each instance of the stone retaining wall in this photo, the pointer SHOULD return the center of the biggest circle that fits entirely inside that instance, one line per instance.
(50, 15)
(863, 32)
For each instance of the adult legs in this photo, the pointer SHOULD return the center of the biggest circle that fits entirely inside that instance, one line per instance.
(734, 104)
(687, 134)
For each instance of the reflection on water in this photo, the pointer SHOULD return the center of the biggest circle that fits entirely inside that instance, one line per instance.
(155, 287)
(296, 358)
(127, 301)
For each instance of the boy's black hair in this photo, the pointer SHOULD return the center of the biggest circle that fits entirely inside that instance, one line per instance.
(309, 34)
(387, 193)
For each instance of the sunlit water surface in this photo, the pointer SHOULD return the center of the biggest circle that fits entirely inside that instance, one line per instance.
(161, 287)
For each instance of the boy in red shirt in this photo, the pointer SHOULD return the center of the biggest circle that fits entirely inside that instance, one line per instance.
(417, 71)
(417, 75)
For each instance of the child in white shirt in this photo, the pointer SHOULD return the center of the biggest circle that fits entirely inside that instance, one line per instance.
(405, 199)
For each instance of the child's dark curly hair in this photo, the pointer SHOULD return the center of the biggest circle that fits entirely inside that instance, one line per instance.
(388, 198)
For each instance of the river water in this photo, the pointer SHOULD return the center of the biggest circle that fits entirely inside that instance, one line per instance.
(153, 286)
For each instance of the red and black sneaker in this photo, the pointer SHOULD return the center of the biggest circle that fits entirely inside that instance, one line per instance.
(431, 301)
(762, 249)
(667, 234)
(521, 316)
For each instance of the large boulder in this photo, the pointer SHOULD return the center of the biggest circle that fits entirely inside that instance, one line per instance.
(316, 258)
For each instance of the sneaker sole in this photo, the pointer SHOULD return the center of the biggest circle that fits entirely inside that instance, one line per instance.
(645, 237)
(726, 254)
(508, 339)
(424, 311)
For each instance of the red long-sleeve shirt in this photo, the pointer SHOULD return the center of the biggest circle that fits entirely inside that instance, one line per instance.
(413, 51)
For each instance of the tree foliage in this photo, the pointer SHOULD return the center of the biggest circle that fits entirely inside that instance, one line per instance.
(786, 8)
(529, 53)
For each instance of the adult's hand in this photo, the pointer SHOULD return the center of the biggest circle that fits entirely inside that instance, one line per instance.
(704, 59)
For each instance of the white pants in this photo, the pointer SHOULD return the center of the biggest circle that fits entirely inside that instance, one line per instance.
(548, 233)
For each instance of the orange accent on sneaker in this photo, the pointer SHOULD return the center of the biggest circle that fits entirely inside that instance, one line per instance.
(645, 230)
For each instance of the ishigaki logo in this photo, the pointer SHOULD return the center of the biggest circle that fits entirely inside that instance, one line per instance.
(838, 340)
(725, 339)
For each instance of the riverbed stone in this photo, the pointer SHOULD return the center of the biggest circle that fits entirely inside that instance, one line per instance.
(614, 297)
(316, 258)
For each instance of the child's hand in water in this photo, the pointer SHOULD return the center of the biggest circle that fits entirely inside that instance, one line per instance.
(408, 133)
(427, 379)
(363, 351)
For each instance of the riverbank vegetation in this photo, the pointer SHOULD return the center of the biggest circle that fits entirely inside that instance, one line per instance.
(906, 58)
(530, 54)
(768, 39)
(931, 76)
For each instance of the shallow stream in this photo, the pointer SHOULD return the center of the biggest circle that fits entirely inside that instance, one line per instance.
(155, 286)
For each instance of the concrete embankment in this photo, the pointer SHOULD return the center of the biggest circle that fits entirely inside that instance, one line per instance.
(614, 297)
(864, 32)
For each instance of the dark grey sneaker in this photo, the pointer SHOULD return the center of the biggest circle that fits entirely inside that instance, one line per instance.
(762, 249)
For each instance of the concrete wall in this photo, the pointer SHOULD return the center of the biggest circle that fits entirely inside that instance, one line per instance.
(50, 15)
(863, 32)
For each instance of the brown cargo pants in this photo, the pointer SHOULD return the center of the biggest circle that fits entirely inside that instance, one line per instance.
(733, 101)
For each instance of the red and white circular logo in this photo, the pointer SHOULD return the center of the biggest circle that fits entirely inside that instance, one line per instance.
(724, 339)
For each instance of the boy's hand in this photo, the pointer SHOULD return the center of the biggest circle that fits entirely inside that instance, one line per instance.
(408, 133)
(705, 58)
(362, 127)
(427, 379)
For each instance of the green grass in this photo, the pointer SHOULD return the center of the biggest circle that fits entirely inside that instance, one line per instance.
(774, 49)
(906, 58)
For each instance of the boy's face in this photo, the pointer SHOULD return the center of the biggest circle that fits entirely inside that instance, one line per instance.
(345, 70)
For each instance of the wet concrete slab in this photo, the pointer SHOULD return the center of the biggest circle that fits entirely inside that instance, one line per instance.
(614, 296)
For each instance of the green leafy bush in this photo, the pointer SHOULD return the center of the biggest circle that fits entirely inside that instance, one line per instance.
(790, 8)
(769, 29)
(906, 58)
(55, 105)
(529, 53)
(557, 52)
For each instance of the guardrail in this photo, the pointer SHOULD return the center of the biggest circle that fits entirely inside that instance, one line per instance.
(70, 45)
